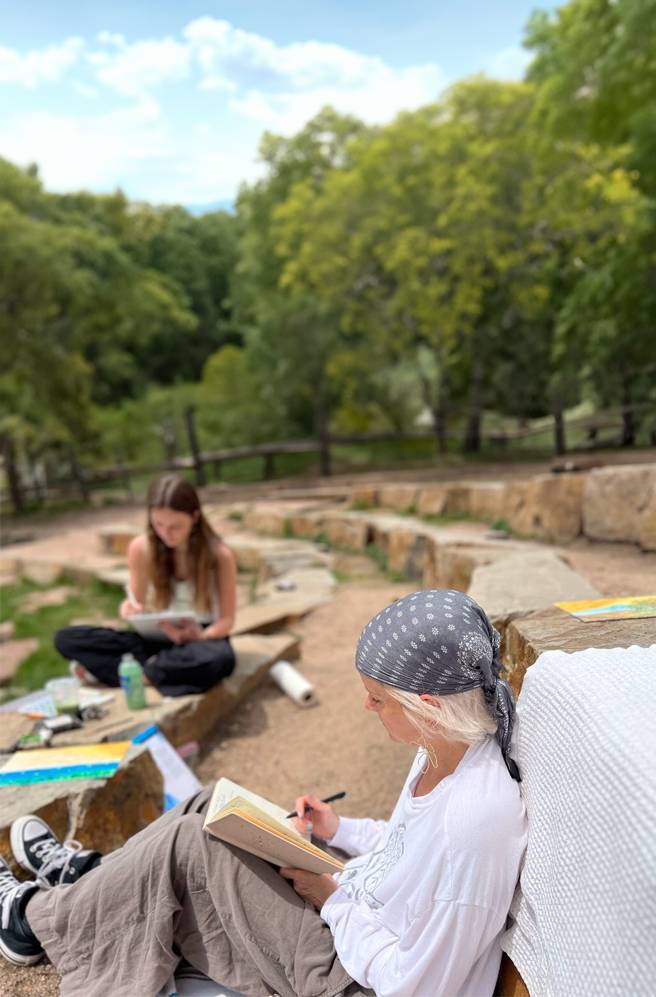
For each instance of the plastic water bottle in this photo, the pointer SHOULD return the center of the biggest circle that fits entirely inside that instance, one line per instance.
(131, 678)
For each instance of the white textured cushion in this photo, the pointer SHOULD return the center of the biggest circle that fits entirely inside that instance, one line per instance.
(585, 912)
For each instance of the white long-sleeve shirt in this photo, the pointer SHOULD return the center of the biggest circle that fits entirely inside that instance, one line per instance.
(421, 908)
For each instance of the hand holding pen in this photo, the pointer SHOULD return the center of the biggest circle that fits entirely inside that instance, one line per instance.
(317, 815)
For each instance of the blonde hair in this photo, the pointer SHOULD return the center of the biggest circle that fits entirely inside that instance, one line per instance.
(463, 716)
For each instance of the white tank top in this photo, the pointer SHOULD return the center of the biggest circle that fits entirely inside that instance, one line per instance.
(183, 600)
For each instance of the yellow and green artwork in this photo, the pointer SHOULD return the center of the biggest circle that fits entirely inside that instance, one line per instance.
(630, 607)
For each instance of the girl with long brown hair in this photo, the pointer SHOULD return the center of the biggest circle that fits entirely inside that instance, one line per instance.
(180, 563)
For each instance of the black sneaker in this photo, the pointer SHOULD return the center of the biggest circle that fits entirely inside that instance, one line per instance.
(37, 849)
(17, 942)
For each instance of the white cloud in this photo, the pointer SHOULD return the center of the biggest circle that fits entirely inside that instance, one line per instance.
(132, 69)
(510, 63)
(237, 60)
(47, 65)
(98, 152)
(177, 152)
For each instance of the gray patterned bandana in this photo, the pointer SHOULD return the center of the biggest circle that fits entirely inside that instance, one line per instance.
(439, 641)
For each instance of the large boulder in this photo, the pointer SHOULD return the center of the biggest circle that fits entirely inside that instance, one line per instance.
(100, 813)
(617, 500)
(267, 519)
(345, 529)
(432, 500)
(486, 500)
(525, 582)
(408, 552)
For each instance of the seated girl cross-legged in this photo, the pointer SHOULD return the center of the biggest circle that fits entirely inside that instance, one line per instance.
(417, 911)
(180, 564)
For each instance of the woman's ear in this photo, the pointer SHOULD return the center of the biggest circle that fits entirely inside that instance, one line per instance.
(428, 697)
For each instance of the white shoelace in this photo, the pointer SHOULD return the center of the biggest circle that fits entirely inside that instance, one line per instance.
(10, 888)
(56, 858)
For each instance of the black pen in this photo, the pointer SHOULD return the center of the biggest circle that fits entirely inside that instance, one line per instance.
(328, 799)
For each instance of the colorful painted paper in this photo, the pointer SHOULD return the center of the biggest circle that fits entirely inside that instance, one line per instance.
(79, 761)
(630, 607)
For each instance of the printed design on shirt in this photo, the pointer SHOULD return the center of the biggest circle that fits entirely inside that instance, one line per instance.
(360, 883)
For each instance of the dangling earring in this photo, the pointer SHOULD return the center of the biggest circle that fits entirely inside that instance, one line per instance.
(431, 760)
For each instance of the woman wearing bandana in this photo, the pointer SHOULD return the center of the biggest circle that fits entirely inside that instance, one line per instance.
(419, 908)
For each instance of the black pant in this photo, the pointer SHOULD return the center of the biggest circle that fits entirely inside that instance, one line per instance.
(174, 669)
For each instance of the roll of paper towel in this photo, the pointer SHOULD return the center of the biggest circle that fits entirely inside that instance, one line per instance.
(293, 684)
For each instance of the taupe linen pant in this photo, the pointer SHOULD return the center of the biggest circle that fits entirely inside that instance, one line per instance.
(175, 891)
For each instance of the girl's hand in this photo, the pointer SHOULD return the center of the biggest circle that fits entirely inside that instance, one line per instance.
(321, 821)
(312, 887)
(128, 608)
(183, 634)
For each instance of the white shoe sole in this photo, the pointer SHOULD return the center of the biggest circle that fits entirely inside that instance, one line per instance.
(16, 959)
(16, 841)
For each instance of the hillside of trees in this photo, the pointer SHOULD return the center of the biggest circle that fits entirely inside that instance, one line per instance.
(492, 252)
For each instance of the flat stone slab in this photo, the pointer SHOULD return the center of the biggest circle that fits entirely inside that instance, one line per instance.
(51, 597)
(262, 617)
(553, 629)
(190, 718)
(525, 582)
(12, 653)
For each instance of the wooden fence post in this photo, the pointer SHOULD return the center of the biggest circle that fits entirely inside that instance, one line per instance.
(190, 422)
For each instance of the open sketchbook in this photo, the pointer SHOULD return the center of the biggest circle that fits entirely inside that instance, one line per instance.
(249, 821)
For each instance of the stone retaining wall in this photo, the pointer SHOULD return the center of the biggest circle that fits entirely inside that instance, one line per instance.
(610, 503)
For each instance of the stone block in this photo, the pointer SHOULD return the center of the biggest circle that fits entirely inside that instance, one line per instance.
(7, 630)
(432, 500)
(116, 539)
(454, 565)
(486, 500)
(553, 629)
(100, 813)
(41, 572)
(408, 552)
(365, 496)
(347, 530)
(525, 582)
(615, 501)
(266, 519)
(302, 582)
(247, 551)
(458, 499)
(306, 524)
(398, 497)
(12, 655)
(547, 506)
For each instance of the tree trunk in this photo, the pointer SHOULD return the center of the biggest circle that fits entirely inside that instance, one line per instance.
(560, 443)
(13, 477)
(190, 422)
(472, 439)
(78, 476)
(323, 434)
(629, 427)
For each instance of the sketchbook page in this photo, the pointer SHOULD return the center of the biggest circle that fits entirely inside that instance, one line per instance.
(226, 790)
(164, 616)
(240, 831)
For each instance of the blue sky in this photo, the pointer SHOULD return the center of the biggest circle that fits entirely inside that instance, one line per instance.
(169, 100)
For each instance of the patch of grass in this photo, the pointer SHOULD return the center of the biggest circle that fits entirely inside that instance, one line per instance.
(410, 510)
(89, 599)
(501, 524)
(359, 505)
(288, 530)
(236, 515)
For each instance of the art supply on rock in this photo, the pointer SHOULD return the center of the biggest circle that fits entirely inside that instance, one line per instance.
(179, 781)
(34, 705)
(40, 737)
(630, 607)
(80, 761)
(293, 684)
(130, 676)
(65, 694)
